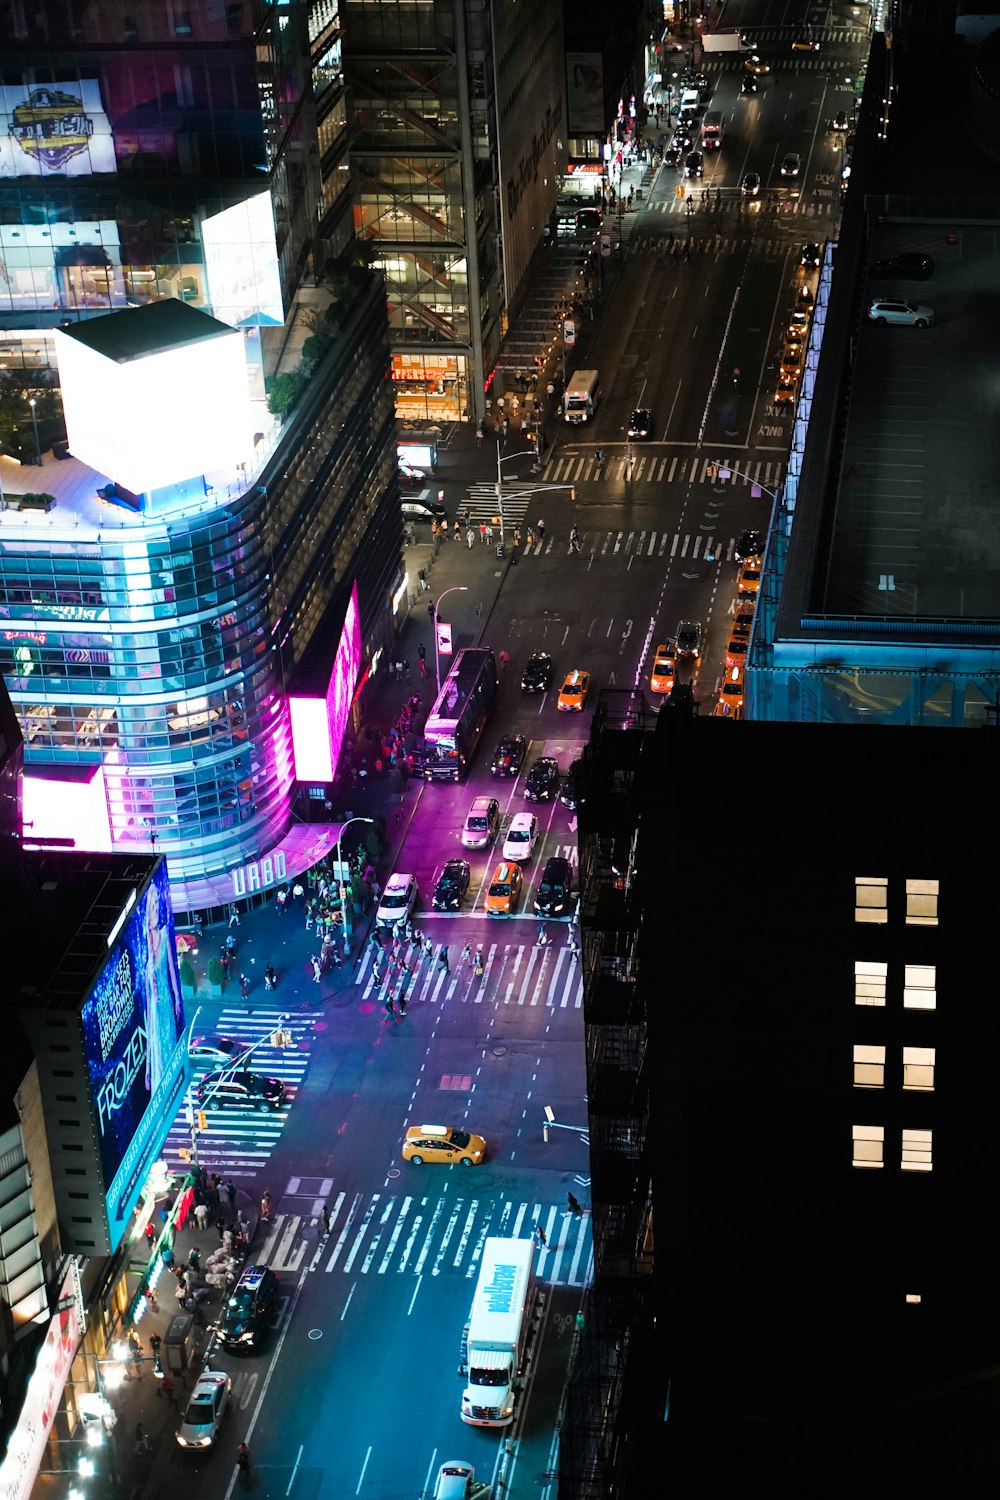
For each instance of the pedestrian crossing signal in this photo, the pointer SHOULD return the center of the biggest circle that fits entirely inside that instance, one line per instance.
(281, 1038)
(184, 1152)
(202, 1120)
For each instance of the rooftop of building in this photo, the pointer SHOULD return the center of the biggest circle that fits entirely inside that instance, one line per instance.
(895, 534)
(136, 332)
(68, 903)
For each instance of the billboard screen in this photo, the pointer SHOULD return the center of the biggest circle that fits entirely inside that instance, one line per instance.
(54, 130)
(346, 666)
(133, 1029)
(241, 259)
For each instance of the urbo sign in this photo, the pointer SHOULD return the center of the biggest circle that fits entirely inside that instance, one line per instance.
(260, 874)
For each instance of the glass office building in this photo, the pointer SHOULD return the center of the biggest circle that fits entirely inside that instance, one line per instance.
(197, 154)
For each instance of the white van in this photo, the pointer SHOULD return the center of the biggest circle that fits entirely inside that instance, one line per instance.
(690, 103)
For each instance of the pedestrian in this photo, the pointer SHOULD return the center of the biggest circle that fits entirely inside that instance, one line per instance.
(194, 1261)
(504, 661)
(280, 900)
(270, 976)
(375, 941)
(402, 996)
(443, 958)
(388, 1005)
(428, 949)
(541, 939)
(467, 954)
(243, 1462)
(180, 1291)
(531, 537)
(517, 536)
(574, 539)
(422, 652)
(376, 972)
(234, 917)
(317, 970)
(480, 434)
(150, 1234)
(297, 891)
(574, 950)
(265, 1206)
(324, 1215)
(470, 537)
(479, 968)
(152, 1298)
(573, 1206)
(244, 986)
(166, 1388)
(482, 531)
(540, 528)
(541, 1238)
(231, 1193)
(431, 612)
(154, 1348)
(457, 531)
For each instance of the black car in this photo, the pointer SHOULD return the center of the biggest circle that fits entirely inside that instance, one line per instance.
(749, 84)
(555, 889)
(694, 166)
(640, 423)
(750, 544)
(907, 266)
(572, 787)
(543, 780)
(250, 1309)
(508, 756)
(537, 674)
(811, 255)
(241, 1089)
(673, 156)
(453, 882)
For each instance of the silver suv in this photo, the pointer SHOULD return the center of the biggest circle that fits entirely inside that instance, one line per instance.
(481, 824)
(895, 310)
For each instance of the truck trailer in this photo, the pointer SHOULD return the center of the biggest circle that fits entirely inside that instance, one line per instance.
(723, 41)
(498, 1332)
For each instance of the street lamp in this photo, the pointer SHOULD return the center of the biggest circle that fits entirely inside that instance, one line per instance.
(34, 419)
(459, 588)
(343, 887)
(535, 489)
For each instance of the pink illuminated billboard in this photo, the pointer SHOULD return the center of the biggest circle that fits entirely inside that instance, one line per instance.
(318, 725)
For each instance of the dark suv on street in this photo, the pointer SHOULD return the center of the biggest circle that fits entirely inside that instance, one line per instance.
(250, 1309)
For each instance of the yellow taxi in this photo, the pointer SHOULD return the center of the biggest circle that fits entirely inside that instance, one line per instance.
(504, 889)
(785, 395)
(754, 65)
(749, 579)
(661, 678)
(440, 1143)
(798, 326)
(724, 710)
(739, 637)
(574, 692)
(731, 692)
(791, 361)
(805, 44)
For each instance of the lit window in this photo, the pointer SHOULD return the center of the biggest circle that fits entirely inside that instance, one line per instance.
(869, 1067)
(922, 902)
(918, 1068)
(870, 898)
(869, 1141)
(920, 987)
(916, 1151)
(913, 1299)
(869, 982)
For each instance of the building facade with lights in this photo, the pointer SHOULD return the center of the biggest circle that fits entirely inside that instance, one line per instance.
(458, 139)
(151, 631)
(789, 1135)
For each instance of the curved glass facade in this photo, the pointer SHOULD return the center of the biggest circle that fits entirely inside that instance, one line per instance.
(163, 648)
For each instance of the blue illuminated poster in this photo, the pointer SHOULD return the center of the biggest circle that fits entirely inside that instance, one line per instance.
(133, 1027)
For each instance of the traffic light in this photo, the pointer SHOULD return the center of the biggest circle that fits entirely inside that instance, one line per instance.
(184, 1152)
(572, 493)
(281, 1038)
(202, 1120)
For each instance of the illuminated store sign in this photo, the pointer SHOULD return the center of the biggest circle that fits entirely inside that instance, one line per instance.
(55, 130)
(43, 1394)
(133, 1028)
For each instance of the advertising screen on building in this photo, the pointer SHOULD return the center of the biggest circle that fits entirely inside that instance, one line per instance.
(55, 130)
(346, 667)
(133, 1027)
(241, 258)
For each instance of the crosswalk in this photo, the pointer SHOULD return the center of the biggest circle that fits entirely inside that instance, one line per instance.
(514, 974)
(378, 1234)
(645, 465)
(783, 36)
(242, 1140)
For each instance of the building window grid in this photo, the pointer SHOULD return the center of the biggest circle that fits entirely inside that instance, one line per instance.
(869, 1146)
(869, 982)
(917, 1150)
(869, 1066)
(920, 987)
(918, 1068)
(921, 903)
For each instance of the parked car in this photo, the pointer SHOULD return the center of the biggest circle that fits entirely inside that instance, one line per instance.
(571, 791)
(907, 266)
(250, 1309)
(204, 1412)
(895, 310)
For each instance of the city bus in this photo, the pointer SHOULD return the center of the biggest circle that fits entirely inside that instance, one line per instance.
(458, 717)
(581, 396)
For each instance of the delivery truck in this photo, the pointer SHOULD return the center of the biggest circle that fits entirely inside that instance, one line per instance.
(498, 1332)
(723, 41)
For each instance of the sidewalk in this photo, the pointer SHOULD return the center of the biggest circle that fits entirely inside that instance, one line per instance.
(141, 1397)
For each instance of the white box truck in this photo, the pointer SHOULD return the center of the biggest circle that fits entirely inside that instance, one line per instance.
(498, 1332)
(723, 41)
(581, 396)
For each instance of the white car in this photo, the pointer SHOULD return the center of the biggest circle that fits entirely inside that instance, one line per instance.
(521, 837)
(456, 1480)
(205, 1410)
(397, 901)
(895, 310)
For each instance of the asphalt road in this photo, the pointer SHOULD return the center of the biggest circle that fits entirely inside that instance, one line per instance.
(358, 1392)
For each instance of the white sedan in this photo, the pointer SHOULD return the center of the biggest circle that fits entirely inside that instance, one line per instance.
(521, 837)
(205, 1410)
(456, 1480)
(397, 900)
